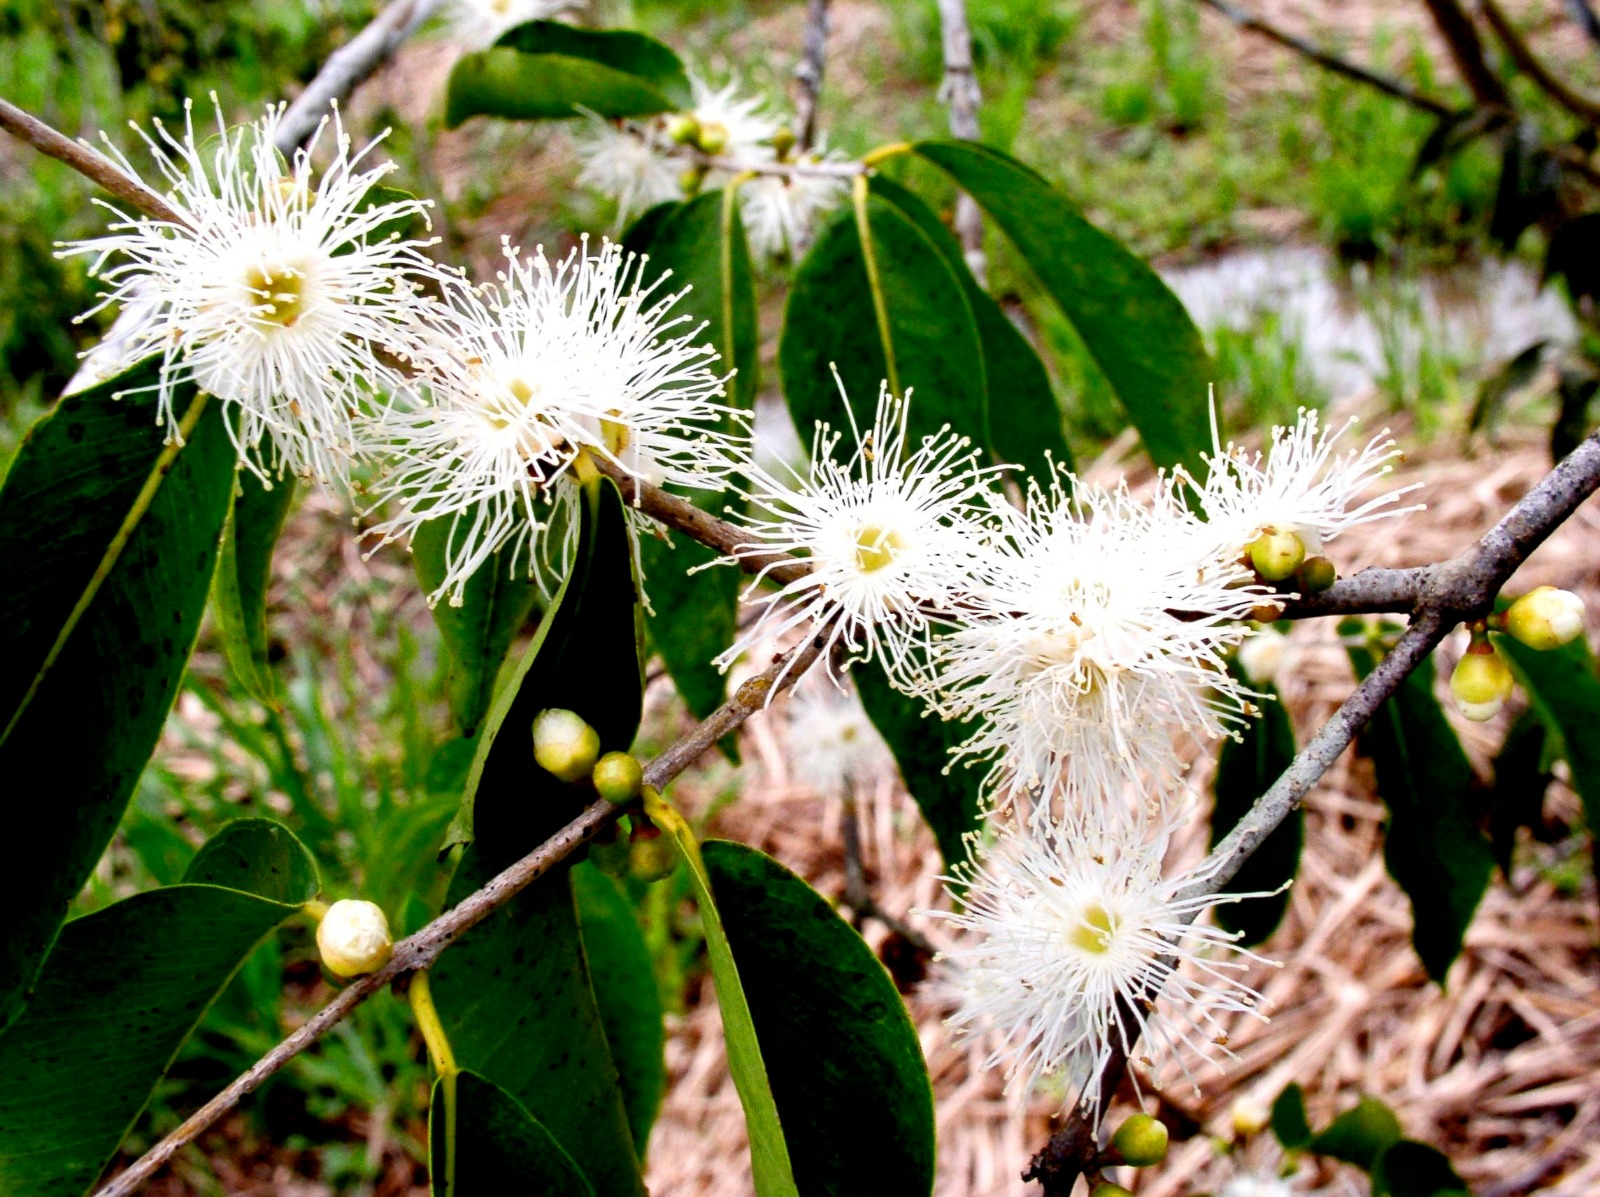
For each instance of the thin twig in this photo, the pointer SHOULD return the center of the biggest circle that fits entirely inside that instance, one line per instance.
(1323, 58)
(1466, 49)
(419, 951)
(89, 163)
(1575, 102)
(808, 73)
(959, 93)
(858, 894)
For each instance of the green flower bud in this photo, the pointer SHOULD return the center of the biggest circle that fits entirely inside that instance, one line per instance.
(713, 138)
(689, 181)
(617, 777)
(1481, 682)
(1276, 554)
(683, 128)
(651, 858)
(783, 141)
(1141, 1141)
(564, 744)
(1106, 1189)
(353, 938)
(1546, 618)
(1317, 574)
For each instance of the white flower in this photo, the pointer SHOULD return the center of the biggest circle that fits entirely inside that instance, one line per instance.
(629, 163)
(1071, 934)
(278, 294)
(1301, 486)
(553, 361)
(745, 123)
(833, 745)
(479, 24)
(781, 210)
(888, 534)
(1097, 634)
(1261, 656)
(1257, 1184)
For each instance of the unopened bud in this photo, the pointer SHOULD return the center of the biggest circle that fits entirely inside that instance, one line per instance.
(712, 138)
(1261, 655)
(1546, 618)
(1249, 1117)
(564, 744)
(611, 858)
(690, 179)
(783, 141)
(1481, 682)
(353, 938)
(1317, 574)
(617, 777)
(1276, 554)
(1106, 1189)
(683, 128)
(1141, 1141)
(651, 858)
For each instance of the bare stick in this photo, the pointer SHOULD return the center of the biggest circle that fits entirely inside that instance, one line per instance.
(1575, 102)
(808, 73)
(1323, 58)
(349, 66)
(1466, 48)
(419, 951)
(959, 93)
(89, 163)
(858, 894)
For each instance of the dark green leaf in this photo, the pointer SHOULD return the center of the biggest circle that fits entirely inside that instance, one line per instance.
(1411, 1169)
(637, 236)
(1575, 391)
(845, 1065)
(514, 992)
(1289, 1120)
(1024, 419)
(499, 1148)
(1520, 780)
(1505, 382)
(1529, 189)
(1433, 847)
(831, 320)
(107, 562)
(625, 991)
(117, 997)
(477, 633)
(1132, 324)
(1245, 768)
(948, 796)
(545, 69)
(1360, 1135)
(1565, 693)
(244, 567)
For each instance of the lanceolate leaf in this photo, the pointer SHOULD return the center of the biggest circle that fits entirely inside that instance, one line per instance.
(545, 69)
(479, 632)
(1432, 846)
(1411, 1169)
(1245, 768)
(120, 993)
(1289, 1121)
(244, 567)
(108, 540)
(1025, 425)
(1360, 1135)
(625, 991)
(499, 1148)
(1132, 324)
(1520, 781)
(1566, 697)
(947, 794)
(833, 319)
(514, 993)
(845, 1065)
(701, 245)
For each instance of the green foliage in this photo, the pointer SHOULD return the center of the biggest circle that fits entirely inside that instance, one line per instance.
(1562, 685)
(244, 567)
(1432, 846)
(846, 1068)
(1289, 1120)
(1369, 1137)
(1521, 777)
(109, 536)
(119, 995)
(1360, 1135)
(499, 1147)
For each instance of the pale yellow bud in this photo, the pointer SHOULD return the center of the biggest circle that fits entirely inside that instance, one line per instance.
(618, 776)
(683, 128)
(353, 938)
(1249, 1117)
(1141, 1141)
(1106, 1189)
(1276, 554)
(1546, 618)
(713, 137)
(1481, 682)
(564, 744)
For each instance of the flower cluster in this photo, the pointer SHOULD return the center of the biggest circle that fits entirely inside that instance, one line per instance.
(723, 139)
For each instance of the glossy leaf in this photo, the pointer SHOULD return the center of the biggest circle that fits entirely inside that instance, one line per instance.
(500, 1149)
(1520, 780)
(1565, 693)
(843, 1057)
(1246, 767)
(119, 994)
(701, 245)
(1289, 1120)
(108, 541)
(1025, 425)
(546, 69)
(624, 982)
(1360, 1135)
(770, 1160)
(514, 993)
(932, 347)
(1412, 1169)
(1133, 326)
(949, 796)
(1433, 847)
(477, 634)
(244, 567)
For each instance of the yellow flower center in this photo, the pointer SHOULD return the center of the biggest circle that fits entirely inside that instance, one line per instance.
(877, 547)
(1094, 930)
(279, 294)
